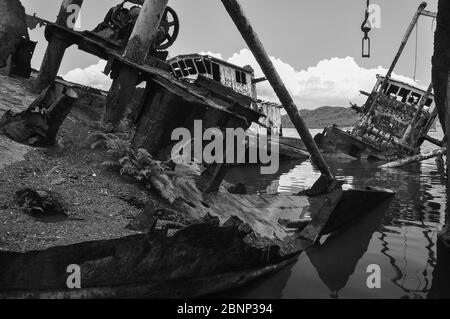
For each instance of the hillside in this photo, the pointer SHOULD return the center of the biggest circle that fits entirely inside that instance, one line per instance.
(325, 116)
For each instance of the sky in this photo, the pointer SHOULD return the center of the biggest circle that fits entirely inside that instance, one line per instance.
(314, 44)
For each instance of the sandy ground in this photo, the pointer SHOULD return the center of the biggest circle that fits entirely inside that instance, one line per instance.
(99, 204)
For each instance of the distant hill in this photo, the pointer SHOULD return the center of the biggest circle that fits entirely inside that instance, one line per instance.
(325, 116)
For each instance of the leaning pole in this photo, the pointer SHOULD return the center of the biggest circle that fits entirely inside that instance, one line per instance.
(254, 43)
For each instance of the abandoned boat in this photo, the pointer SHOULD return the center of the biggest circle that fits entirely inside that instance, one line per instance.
(197, 68)
(140, 225)
(129, 241)
(395, 120)
(400, 122)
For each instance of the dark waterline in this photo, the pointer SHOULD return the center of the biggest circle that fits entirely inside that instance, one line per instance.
(400, 238)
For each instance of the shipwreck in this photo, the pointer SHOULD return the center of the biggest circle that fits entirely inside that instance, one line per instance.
(395, 120)
(396, 128)
(134, 222)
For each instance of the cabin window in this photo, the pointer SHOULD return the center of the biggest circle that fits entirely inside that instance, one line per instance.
(183, 68)
(177, 70)
(403, 94)
(392, 91)
(190, 67)
(429, 102)
(415, 98)
(200, 66)
(216, 72)
(241, 77)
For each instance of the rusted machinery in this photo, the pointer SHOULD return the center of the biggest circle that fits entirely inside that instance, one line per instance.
(120, 20)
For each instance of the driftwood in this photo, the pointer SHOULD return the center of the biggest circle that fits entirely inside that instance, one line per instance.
(39, 124)
(415, 158)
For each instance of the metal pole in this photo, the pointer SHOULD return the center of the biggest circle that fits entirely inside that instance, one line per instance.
(410, 29)
(56, 47)
(254, 43)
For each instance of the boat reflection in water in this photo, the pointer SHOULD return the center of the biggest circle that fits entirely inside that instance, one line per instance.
(335, 259)
(400, 238)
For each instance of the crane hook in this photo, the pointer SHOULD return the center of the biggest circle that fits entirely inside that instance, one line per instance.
(366, 28)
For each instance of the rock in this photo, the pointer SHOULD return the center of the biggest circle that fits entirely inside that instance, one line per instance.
(144, 221)
(13, 27)
(39, 203)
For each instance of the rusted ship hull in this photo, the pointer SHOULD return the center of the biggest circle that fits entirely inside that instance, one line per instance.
(335, 140)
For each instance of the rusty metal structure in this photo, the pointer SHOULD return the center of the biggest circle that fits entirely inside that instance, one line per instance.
(397, 128)
(395, 120)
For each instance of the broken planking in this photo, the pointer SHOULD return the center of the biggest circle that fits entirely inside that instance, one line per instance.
(202, 242)
(236, 238)
(199, 237)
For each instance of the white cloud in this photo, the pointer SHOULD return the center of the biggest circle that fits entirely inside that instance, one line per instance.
(92, 76)
(334, 82)
(214, 55)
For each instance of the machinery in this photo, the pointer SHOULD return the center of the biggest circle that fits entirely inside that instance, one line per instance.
(120, 20)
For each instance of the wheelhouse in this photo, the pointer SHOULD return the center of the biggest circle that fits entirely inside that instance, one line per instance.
(191, 66)
(398, 117)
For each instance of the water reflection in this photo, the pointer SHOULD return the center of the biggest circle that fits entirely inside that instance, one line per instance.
(335, 259)
(440, 287)
(400, 238)
(256, 182)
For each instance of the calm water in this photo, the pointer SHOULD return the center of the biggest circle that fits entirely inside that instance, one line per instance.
(400, 238)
